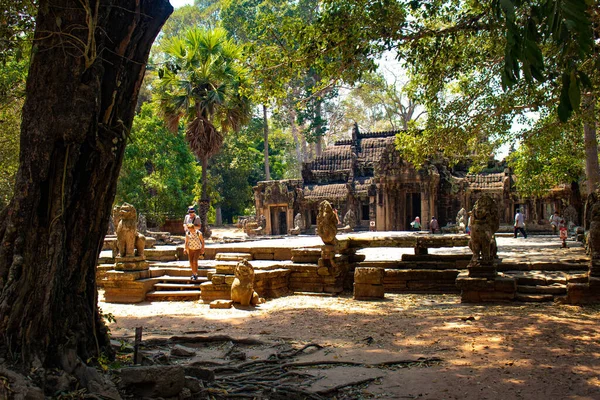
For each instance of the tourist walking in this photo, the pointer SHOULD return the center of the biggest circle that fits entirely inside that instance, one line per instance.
(194, 248)
(563, 233)
(554, 222)
(416, 224)
(434, 225)
(191, 218)
(520, 224)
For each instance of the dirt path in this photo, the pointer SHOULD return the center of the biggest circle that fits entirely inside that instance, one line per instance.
(523, 351)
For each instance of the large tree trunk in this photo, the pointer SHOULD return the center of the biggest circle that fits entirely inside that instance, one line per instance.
(319, 136)
(295, 134)
(86, 70)
(266, 134)
(592, 169)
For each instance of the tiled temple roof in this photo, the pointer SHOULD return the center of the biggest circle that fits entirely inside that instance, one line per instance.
(486, 181)
(339, 156)
(334, 158)
(331, 191)
(371, 150)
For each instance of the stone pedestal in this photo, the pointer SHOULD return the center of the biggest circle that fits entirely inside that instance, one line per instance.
(475, 289)
(585, 293)
(368, 283)
(482, 269)
(127, 286)
(132, 263)
(332, 269)
(582, 293)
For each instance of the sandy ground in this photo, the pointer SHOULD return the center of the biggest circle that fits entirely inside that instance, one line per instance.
(522, 351)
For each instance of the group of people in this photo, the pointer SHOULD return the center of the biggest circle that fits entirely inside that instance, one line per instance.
(434, 225)
(194, 241)
(556, 222)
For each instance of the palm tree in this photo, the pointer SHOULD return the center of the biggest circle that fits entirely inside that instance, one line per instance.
(203, 83)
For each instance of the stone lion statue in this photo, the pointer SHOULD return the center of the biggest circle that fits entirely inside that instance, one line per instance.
(242, 288)
(484, 224)
(326, 223)
(129, 240)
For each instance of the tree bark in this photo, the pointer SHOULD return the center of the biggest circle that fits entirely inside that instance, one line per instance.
(592, 169)
(204, 204)
(266, 134)
(319, 136)
(295, 134)
(87, 66)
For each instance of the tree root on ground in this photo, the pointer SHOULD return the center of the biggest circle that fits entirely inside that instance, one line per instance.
(275, 377)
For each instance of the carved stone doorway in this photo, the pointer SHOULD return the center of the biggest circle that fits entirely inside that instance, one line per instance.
(279, 220)
(413, 209)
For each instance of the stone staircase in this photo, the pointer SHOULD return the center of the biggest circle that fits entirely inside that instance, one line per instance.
(175, 288)
(543, 286)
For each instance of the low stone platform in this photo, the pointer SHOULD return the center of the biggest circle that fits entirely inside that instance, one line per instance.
(541, 269)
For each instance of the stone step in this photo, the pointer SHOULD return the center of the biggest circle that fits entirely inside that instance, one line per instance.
(179, 271)
(174, 279)
(536, 298)
(233, 256)
(177, 286)
(161, 254)
(173, 295)
(554, 289)
(538, 278)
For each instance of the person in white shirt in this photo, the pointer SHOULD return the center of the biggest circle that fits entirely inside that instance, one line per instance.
(554, 222)
(191, 218)
(520, 224)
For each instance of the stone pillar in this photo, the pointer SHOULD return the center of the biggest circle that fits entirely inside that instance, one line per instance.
(425, 211)
(268, 222)
(290, 219)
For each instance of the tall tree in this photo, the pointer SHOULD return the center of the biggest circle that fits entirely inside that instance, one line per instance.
(478, 65)
(204, 84)
(87, 66)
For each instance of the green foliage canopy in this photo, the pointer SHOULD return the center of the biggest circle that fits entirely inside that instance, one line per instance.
(160, 175)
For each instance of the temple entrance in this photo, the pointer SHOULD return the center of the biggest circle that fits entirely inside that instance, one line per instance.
(413, 209)
(278, 220)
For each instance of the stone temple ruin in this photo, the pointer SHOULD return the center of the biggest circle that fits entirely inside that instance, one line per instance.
(372, 188)
(367, 176)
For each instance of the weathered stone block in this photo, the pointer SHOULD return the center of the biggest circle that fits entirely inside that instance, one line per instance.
(233, 257)
(373, 276)
(153, 381)
(225, 269)
(306, 287)
(339, 288)
(282, 254)
(264, 256)
(366, 291)
(301, 258)
(131, 264)
(221, 304)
